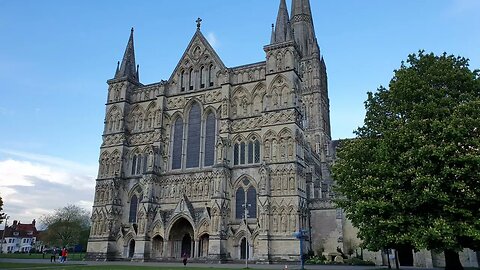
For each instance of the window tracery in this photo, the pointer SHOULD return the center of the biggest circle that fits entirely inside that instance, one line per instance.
(245, 197)
(246, 152)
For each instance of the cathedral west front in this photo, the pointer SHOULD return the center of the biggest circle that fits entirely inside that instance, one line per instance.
(219, 163)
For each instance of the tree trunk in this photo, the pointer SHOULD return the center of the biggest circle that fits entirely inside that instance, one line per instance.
(452, 260)
(397, 265)
(388, 259)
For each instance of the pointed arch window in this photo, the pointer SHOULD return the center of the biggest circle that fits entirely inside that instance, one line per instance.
(250, 152)
(235, 153)
(193, 139)
(177, 144)
(210, 132)
(252, 202)
(134, 164)
(257, 151)
(202, 75)
(246, 194)
(190, 80)
(239, 201)
(139, 164)
(210, 76)
(182, 81)
(144, 163)
(132, 217)
(242, 153)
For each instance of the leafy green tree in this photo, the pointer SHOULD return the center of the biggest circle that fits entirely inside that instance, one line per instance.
(67, 226)
(412, 175)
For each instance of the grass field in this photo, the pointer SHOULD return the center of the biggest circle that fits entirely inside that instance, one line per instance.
(94, 267)
(73, 266)
(71, 256)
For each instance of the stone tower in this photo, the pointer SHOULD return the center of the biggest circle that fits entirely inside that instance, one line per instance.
(219, 163)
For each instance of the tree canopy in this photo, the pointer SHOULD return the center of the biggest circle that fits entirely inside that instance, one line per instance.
(412, 175)
(66, 226)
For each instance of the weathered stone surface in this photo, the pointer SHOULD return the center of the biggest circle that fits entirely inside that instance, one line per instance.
(269, 144)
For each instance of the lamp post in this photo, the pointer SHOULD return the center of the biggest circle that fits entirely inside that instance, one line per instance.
(245, 208)
(3, 236)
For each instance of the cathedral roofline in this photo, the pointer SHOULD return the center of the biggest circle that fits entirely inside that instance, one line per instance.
(198, 34)
(257, 64)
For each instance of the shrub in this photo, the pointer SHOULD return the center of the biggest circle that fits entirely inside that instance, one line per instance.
(357, 261)
(316, 260)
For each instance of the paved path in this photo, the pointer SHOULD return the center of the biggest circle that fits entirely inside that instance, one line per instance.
(232, 266)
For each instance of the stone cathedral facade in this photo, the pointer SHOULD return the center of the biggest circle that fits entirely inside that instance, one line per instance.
(183, 160)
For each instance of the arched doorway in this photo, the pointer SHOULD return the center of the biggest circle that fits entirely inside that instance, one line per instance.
(186, 245)
(157, 247)
(203, 246)
(181, 239)
(244, 251)
(131, 248)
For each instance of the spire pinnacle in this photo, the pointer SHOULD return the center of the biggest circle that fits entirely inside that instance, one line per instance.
(302, 24)
(282, 26)
(118, 68)
(272, 40)
(127, 68)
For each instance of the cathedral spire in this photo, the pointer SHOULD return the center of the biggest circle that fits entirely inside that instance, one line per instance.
(128, 68)
(302, 24)
(282, 27)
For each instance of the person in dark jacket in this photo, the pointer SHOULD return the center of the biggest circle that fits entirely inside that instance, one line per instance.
(53, 256)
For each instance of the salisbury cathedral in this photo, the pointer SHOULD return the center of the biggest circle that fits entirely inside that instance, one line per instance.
(219, 163)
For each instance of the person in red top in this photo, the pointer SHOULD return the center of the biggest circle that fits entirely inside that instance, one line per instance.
(62, 254)
(66, 255)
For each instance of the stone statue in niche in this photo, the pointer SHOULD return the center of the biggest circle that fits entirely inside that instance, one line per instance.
(220, 150)
(245, 106)
(264, 177)
(224, 107)
(151, 159)
(279, 62)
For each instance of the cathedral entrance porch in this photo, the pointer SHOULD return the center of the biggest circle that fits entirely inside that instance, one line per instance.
(203, 246)
(181, 239)
(157, 247)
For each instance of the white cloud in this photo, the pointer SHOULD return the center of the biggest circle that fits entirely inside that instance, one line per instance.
(25, 173)
(45, 159)
(212, 39)
(32, 185)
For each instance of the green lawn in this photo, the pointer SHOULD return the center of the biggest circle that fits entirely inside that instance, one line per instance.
(94, 267)
(71, 256)
(72, 266)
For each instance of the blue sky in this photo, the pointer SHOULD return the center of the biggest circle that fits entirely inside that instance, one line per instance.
(55, 58)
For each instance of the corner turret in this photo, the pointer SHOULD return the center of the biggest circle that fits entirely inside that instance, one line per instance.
(283, 29)
(303, 29)
(128, 69)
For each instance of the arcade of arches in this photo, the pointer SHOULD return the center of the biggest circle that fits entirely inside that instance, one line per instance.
(180, 243)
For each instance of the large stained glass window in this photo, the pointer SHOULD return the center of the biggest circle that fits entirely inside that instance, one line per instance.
(193, 139)
(210, 133)
(177, 144)
(239, 202)
(132, 217)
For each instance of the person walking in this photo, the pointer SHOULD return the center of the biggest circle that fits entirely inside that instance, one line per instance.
(65, 256)
(53, 256)
(185, 258)
(62, 255)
